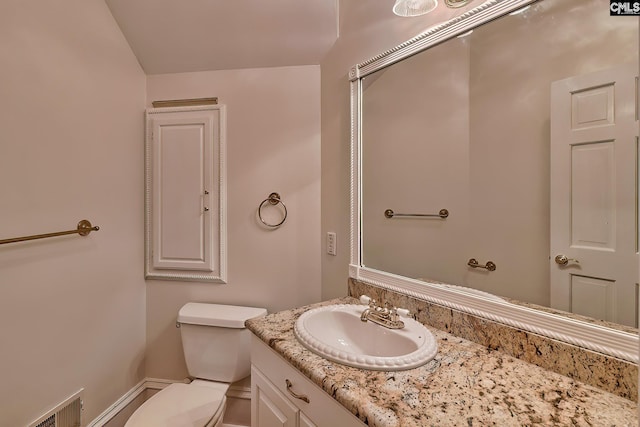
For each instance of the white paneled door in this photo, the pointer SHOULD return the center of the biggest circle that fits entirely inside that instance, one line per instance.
(594, 188)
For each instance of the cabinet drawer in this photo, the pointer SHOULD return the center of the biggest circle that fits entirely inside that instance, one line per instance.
(321, 408)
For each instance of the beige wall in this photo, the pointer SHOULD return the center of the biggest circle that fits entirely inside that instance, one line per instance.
(273, 144)
(71, 308)
(363, 34)
(75, 309)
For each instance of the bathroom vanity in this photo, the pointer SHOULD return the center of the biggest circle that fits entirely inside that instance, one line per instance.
(465, 384)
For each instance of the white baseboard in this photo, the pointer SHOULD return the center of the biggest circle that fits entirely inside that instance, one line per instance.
(127, 398)
(156, 384)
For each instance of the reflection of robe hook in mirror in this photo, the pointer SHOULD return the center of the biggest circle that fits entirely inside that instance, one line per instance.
(490, 265)
(563, 260)
(273, 199)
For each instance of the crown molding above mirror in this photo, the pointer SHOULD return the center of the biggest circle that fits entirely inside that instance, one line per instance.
(590, 335)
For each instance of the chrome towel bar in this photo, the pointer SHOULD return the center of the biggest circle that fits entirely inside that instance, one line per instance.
(442, 214)
(84, 228)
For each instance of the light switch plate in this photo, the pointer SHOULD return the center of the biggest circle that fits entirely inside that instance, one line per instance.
(331, 243)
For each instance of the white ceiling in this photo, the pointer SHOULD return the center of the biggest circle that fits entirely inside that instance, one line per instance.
(172, 36)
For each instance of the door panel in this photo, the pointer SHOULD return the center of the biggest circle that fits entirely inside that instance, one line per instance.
(594, 195)
(181, 225)
(593, 297)
(593, 204)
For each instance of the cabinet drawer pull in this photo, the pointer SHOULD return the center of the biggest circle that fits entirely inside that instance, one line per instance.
(294, 394)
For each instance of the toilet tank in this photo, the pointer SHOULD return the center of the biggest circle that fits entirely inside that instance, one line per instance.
(215, 342)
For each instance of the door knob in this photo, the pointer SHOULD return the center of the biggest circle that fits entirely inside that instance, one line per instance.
(563, 260)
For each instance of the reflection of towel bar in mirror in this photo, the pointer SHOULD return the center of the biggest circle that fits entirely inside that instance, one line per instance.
(442, 214)
(473, 263)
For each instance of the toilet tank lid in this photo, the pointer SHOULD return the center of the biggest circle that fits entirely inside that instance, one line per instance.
(224, 316)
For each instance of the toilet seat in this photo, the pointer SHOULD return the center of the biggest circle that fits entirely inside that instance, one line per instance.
(181, 405)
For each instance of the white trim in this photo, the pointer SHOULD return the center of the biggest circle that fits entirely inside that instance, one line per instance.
(127, 398)
(159, 383)
(590, 336)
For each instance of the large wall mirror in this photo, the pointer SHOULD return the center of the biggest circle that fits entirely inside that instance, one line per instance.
(496, 170)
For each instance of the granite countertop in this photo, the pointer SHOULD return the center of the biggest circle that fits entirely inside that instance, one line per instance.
(466, 384)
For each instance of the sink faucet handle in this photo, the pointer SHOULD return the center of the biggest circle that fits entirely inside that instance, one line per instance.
(366, 300)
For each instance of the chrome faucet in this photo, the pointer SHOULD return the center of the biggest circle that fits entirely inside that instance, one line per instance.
(387, 316)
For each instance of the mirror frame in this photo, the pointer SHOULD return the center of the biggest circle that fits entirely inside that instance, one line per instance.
(594, 337)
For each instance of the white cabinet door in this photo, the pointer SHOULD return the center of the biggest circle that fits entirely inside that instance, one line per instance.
(269, 407)
(185, 194)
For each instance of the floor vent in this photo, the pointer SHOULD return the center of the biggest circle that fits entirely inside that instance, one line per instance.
(66, 414)
(49, 422)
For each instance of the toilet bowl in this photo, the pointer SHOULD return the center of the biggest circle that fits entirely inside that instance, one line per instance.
(216, 348)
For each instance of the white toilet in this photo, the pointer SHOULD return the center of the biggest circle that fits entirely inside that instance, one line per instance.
(216, 349)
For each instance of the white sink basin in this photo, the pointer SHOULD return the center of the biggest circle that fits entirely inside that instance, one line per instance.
(336, 332)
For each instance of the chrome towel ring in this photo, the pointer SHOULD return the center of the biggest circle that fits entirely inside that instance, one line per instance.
(273, 199)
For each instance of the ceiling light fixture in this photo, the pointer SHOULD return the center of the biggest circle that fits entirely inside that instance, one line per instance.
(414, 7)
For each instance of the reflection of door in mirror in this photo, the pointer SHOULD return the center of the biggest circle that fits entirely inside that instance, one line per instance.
(593, 195)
